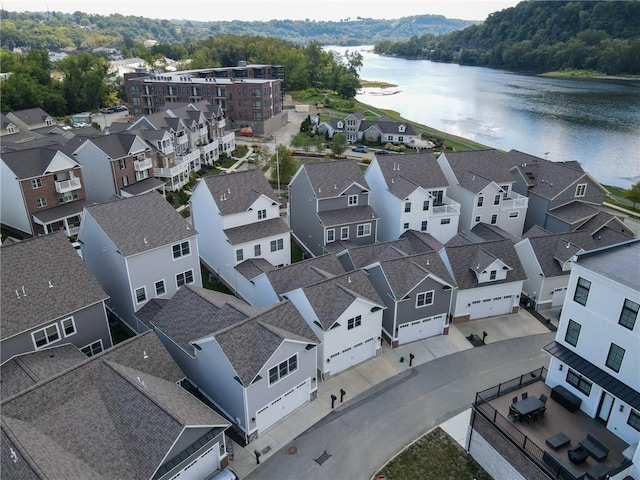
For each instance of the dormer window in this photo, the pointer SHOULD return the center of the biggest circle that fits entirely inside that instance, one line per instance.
(353, 200)
(402, 128)
(493, 274)
(581, 190)
(48, 122)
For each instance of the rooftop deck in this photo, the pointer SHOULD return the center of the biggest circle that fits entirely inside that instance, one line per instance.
(530, 437)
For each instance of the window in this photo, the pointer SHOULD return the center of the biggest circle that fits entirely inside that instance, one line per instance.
(160, 288)
(573, 332)
(262, 214)
(354, 322)
(141, 294)
(277, 245)
(331, 235)
(239, 255)
(353, 199)
(513, 214)
(493, 274)
(184, 278)
(480, 200)
(505, 190)
(344, 233)
(125, 180)
(496, 199)
(92, 349)
(181, 249)
(142, 175)
(578, 381)
(615, 356)
(445, 221)
(425, 205)
(405, 225)
(46, 336)
(629, 314)
(41, 202)
(407, 206)
(582, 291)
(364, 230)
(122, 163)
(257, 250)
(283, 369)
(68, 326)
(423, 226)
(494, 219)
(478, 218)
(634, 420)
(36, 183)
(424, 299)
(581, 190)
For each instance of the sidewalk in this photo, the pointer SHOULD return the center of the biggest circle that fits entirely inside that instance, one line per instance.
(359, 379)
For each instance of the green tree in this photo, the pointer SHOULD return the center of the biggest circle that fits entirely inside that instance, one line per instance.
(339, 144)
(633, 193)
(282, 165)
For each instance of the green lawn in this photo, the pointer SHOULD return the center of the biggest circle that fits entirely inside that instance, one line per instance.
(435, 456)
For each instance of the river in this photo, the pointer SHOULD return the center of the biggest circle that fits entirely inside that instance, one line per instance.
(596, 122)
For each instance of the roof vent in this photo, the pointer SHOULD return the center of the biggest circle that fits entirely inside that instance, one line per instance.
(145, 239)
(50, 284)
(144, 354)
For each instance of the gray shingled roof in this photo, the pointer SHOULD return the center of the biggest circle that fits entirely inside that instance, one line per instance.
(461, 257)
(252, 267)
(330, 179)
(257, 230)
(306, 272)
(34, 263)
(348, 215)
(31, 162)
(422, 242)
(100, 417)
(62, 211)
(144, 186)
(32, 116)
(405, 173)
(388, 126)
(404, 274)
(476, 169)
(141, 223)
(487, 232)
(330, 298)
(606, 220)
(574, 212)
(236, 192)
(367, 254)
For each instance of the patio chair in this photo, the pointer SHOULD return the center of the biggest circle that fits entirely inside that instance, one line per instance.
(513, 412)
(543, 398)
(514, 399)
(541, 411)
(525, 395)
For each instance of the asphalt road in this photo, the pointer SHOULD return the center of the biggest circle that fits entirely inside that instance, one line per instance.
(364, 433)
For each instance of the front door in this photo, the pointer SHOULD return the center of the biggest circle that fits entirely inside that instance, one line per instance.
(604, 410)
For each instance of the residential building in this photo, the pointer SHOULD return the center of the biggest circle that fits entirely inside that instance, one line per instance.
(42, 191)
(30, 119)
(250, 94)
(481, 182)
(120, 414)
(355, 127)
(138, 248)
(209, 334)
(488, 276)
(49, 298)
(238, 218)
(410, 193)
(345, 313)
(329, 202)
(417, 291)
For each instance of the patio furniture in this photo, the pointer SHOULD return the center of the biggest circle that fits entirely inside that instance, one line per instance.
(525, 395)
(596, 449)
(543, 398)
(528, 406)
(557, 441)
(514, 399)
(565, 398)
(599, 472)
(578, 455)
(560, 468)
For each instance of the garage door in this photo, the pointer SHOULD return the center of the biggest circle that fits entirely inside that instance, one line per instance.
(282, 406)
(558, 296)
(348, 357)
(203, 466)
(488, 307)
(426, 327)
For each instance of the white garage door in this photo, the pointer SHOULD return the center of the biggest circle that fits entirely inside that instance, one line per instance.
(424, 328)
(488, 307)
(558, 296)
(282, 406)
(204, 465)
(348, 357)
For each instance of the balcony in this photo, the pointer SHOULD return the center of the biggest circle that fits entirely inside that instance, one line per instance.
(203, 131)
(514, 200)
(221, 123)
(68, 185)
(182, 139)
(530, 438)
(141, 165)
(189, 157)
(209, 147)
(448, 209)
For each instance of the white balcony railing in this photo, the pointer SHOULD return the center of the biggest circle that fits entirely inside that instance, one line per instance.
(141, 165)
(189, 157)
(167, 150)
(203, 131)
(171, 171)
(515, 200)
(209, 147)
(68, 185)
(181, 140)
(449, 208)
(222, 123)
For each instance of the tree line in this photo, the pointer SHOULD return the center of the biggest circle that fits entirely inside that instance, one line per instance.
(537, 37)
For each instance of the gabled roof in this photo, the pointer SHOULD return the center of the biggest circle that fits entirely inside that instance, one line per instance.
(486, 232)
(119, 145)
(330, 298)
(257, 230)
(404, 274)
(364, 255)
(236, 192)
(462, 257)
(574, 212)
(141, 223)
(306, 272)
(388, 126)
(478, 168)
(348, 215)
(606, 221)
(407, 173)
(422, 242)
(331, 179)
(112, 403)
(252, 267)
(34, 162)
(31, 116)
(43, 279)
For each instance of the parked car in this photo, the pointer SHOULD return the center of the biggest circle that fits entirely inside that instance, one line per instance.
(383, 152)
(120, 108)
(107, 110)
(360, 148)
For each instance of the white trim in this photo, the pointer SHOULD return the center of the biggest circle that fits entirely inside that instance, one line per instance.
(135, 294)
(424, 294)
(583, 187)
(164, 287)
(73, 323)
(277, 366)
(363, 225)
(180, 252)
(185, 278)
(330, 232)
(350, 198)
(33, 338)
(90, 345)
(342, 231)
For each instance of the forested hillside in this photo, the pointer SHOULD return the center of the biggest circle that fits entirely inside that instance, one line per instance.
(540, 36)
(54, 30)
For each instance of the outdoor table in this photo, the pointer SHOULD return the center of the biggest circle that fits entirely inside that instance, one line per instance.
(528, 405)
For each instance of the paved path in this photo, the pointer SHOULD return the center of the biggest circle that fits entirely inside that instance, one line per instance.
(363, 433)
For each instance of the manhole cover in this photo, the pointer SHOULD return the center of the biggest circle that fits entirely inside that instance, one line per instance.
(292, 450)
(323, 458)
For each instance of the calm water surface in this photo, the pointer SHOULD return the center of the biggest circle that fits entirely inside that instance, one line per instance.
(595, 122)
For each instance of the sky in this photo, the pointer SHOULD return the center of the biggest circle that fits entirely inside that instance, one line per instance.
(255, 10)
